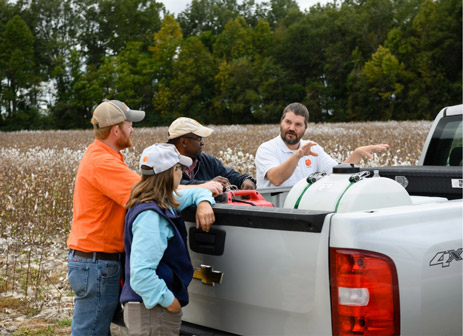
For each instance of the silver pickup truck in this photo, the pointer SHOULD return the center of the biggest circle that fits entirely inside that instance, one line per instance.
(374, 251)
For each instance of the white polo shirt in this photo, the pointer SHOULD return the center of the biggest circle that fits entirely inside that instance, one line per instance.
(274, 152)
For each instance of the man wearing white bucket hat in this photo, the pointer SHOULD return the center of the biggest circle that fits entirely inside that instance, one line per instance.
(158, 267)
(188, 136)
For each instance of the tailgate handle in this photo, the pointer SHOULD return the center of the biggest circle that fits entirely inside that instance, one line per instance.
(212, 242)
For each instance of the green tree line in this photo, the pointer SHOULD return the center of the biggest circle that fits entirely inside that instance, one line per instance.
(227, 62)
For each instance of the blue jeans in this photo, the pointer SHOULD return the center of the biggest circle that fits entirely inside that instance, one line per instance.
(96, 284)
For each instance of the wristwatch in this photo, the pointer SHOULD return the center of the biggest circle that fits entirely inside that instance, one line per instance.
(252, 179)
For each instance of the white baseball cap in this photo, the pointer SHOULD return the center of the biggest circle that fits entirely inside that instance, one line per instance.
(113, 112)
(182, 126)
(160, 157)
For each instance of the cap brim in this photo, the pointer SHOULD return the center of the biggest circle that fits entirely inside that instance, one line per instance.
(203, 131)
(185, 160)
(135, 115)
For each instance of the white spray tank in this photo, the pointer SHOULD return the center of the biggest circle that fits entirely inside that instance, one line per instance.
(346, 189)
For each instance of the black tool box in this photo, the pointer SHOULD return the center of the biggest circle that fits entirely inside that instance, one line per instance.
(437, 181)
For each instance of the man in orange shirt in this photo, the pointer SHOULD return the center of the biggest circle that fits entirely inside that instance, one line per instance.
(96, 242)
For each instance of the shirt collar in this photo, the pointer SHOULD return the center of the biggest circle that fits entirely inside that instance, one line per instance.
(189, 170)
(283, 147)
(111, 151)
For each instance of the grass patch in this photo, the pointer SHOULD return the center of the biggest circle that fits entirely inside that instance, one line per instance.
(65, 322)
(48, 331)
(8, 303)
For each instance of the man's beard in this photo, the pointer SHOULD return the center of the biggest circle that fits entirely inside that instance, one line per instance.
(124, 142)
(288, 141)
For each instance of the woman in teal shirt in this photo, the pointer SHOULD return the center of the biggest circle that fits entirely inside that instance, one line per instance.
(158, 267)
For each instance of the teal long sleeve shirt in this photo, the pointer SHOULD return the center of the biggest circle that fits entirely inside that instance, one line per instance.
(151, 233)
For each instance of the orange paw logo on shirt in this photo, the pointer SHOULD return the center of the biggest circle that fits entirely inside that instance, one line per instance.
(308, 162)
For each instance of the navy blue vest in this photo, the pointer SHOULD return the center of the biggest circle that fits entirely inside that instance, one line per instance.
(175, 266)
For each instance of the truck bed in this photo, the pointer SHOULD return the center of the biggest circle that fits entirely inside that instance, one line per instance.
(274, 263)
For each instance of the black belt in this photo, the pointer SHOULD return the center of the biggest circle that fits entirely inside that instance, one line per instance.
(98, 255)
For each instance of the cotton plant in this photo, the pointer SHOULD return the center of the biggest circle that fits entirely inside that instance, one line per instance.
(39, 168)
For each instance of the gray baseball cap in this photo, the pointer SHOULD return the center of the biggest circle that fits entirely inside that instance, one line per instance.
(112, 112)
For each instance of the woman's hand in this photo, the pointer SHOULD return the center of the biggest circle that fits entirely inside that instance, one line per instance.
(214, 187)
(222, 180)
(204, 216)
(175, 306)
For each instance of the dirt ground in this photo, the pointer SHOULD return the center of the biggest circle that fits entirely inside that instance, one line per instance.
(48, 322)
(54, 316)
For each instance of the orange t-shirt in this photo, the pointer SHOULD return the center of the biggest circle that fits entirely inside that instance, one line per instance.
(102, 188)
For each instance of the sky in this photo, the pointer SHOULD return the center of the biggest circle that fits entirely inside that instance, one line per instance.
(177, 6)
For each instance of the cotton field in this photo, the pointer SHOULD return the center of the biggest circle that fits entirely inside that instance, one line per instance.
(37, 176)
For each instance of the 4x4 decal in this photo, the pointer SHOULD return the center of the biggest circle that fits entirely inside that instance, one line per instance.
(444, 258)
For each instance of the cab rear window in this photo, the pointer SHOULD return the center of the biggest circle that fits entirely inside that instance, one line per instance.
(446, 146)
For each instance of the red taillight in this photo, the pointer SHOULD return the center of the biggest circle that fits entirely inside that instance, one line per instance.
(364, 293)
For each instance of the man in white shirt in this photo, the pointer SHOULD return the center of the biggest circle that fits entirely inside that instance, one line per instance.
(286, 159)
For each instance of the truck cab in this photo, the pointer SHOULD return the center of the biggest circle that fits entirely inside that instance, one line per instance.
(443, 145)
